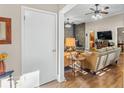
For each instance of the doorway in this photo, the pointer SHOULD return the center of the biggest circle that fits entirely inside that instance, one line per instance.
(39, 43)
(120, 39)
(92, 40)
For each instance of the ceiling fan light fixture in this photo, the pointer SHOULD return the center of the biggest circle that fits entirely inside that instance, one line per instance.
(68, 25)
(94, 17)
(99, 16)
(98, 11)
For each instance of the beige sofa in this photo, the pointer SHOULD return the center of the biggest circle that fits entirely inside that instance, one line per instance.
(98, 60)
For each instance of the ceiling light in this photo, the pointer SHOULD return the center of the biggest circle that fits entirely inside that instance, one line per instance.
(67, 25)
(96, 16)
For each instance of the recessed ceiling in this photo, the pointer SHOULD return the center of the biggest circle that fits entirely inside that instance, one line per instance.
(77, 14)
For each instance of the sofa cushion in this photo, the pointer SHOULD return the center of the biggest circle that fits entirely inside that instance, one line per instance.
(109, 48)
(101, 50)
(114, 47)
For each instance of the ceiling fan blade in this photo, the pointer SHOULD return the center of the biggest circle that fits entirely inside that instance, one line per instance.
(103, 12)
(106, 7)
(89, 13)
(92, 9)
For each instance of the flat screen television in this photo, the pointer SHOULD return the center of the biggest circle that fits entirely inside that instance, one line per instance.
(104, 35)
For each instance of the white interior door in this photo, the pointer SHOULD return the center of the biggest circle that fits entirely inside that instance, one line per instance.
(39, 44)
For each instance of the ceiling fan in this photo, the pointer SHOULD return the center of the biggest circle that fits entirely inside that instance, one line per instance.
(97, 10)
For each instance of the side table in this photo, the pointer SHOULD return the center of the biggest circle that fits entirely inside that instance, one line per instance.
(8, 73)
(80, 59)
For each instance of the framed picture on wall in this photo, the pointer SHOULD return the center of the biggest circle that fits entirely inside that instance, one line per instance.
(5, 30)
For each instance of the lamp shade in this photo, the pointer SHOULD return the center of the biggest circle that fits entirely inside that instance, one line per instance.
(70, 42)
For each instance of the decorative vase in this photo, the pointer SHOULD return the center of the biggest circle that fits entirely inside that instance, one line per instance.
(2, 67)
(3, 56)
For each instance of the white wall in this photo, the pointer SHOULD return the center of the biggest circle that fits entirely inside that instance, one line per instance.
(110, 23)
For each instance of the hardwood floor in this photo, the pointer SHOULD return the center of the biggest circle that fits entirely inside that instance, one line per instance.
(111, 79)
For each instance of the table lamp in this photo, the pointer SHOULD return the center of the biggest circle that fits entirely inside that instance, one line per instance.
(70, 44)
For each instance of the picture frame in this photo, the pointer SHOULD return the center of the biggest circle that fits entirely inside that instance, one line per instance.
(5, 30)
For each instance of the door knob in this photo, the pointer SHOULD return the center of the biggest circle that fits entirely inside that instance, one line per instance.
(53, 50)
